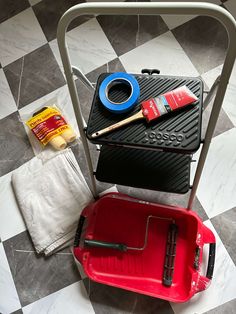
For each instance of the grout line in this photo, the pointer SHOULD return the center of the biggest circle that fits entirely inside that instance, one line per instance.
(29, 251)
(19, 88)
(137, 34)
(25, 251)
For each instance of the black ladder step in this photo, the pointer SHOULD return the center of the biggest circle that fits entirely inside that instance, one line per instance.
(178, 132)
(147, 169)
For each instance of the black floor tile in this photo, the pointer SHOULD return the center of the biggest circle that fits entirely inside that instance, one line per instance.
(165, 198)
(112, 66)
(223, 124)
(40, 75)
(14, 144)
(18, 312)
(9, 8)
(225, 227)
(85, 98)
(130, 31)
(110, 300)
(49, 12)
(204, 40)
(36, 276)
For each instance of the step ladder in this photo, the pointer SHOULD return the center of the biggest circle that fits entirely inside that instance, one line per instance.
(153, 156)
(156, 157)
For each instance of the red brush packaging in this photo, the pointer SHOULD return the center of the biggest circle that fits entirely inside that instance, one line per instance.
(168, 102)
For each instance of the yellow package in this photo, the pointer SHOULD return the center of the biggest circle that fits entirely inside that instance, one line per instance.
(49, 126)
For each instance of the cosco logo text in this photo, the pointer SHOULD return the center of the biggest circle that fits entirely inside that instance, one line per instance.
(159, 136)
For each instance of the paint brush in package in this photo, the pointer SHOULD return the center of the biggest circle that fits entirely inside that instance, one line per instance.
(170, 101)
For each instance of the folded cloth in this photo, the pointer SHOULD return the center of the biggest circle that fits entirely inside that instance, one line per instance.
(51, 192)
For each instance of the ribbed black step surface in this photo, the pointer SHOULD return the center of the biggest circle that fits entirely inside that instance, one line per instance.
(154, 170)
(178, 131)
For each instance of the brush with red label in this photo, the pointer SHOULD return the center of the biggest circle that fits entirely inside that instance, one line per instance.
(153, 108)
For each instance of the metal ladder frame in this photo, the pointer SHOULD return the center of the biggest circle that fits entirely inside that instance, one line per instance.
(153, 8)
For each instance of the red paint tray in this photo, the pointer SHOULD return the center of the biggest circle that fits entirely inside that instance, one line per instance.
(121, 219)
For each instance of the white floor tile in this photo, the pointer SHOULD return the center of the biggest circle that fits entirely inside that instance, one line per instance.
(211, 1)
(217, 186)
(20, 35)
(88, 46)
(163, 53)
(210, 76)
(231, 6)
(61, 98)
(230, 96)
(173, 21)
(11, 221)
(72, 299)
(9, 300)
(7, 102)
(222, 288)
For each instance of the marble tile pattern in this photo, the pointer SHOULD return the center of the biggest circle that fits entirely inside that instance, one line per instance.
(226, 308)
(217, 186)
(223, 124)
(31, 76)
(112, 66)
(9, 300)
(14, 144)
(20, 35)
(165, 198)
(37, 276)
(128, 32)
(33, 2)
(7, 102)
(116, 301)
(228, 103)
(225, 224)
(223, 285)
(11, 8)
(23, 76)
(163, 51)
(49, 12)
(17, 312)
(231, 7)
(11, 221)
(172, 21)
(88, 47)
(204, 41)
(72, 299)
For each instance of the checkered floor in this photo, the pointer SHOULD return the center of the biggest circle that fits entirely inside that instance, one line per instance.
(31, 74)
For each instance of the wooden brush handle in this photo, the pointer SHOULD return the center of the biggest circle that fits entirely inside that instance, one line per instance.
(136, 116)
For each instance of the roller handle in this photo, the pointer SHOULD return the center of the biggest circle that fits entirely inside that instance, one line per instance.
(208, 238)
(79, 231)
(105, 245)
(136, 116)
(211, 260)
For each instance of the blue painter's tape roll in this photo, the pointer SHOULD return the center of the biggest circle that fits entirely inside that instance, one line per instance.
(113, 80)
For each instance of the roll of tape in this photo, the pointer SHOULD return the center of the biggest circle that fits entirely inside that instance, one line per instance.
(110, 82)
